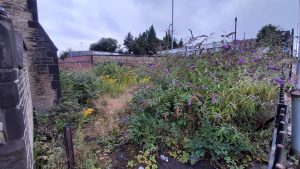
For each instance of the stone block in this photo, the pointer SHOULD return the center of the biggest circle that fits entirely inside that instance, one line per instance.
(55, 84)
(9, 95)
(7, 43)
(8, 75)
(53, 69)
(15, 127)
(13, 155)
(33, 24)
(19, 59)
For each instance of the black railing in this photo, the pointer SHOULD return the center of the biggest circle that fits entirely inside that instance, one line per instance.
(278, 142)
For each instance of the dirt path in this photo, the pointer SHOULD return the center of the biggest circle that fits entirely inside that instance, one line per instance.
(111, 114)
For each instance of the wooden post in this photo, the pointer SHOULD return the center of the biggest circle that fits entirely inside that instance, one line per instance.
(92, 60)
(68, 140)
(298, 163)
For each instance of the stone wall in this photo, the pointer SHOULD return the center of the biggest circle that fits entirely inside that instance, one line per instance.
(41, 52)
(16, 126)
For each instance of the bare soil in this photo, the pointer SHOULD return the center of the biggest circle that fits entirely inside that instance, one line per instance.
(111, 115)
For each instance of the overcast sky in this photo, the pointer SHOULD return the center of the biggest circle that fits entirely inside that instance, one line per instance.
(72, 22)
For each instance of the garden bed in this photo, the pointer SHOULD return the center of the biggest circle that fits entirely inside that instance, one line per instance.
(200, 112)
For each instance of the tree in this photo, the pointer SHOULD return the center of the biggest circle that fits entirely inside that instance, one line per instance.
(180, 45)
(129, 42)
(64, 54)
(167, 41)
(175, 44)
(140, 44)
(269, 35)
(146, 43)
(152, 41)
(105, 45)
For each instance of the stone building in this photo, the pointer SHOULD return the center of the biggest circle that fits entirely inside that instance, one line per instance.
(29, 78)
(41, 52)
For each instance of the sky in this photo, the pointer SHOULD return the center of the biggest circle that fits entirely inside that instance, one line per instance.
(76, 24)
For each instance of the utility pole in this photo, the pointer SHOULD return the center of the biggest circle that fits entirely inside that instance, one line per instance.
(172, 26)
(298, 30)
(292, 42)
(298, 60)
(235, 25)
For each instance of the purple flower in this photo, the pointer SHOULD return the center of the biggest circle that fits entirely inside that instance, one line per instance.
(192, 67)
(190, 102)
(226, 46)
(293, 81)
(280, 81)
(237, 41)
(256, 59)
(151, 65)
(166, 71)
(241, 61)
(270, 67)
(214, 99)
(250, 71)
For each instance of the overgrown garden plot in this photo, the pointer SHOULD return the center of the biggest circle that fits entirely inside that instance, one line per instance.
(211, 107)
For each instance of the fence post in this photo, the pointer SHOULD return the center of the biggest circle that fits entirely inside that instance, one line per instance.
(290, 70)
(298, 163)
(68, 140)
(92, 60)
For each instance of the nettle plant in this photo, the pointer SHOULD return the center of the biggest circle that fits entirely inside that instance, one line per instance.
(208, 107)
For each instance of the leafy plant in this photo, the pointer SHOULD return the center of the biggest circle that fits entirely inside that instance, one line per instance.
(196, 111)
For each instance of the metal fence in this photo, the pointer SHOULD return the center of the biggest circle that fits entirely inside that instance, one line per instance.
(279, 133)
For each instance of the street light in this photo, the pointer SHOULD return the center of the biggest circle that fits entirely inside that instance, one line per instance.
(172, 26)
(298, 42)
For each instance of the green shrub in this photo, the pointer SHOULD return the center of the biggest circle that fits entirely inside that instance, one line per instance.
(205, 111)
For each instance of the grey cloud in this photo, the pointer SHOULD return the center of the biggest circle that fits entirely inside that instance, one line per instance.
(70, 22)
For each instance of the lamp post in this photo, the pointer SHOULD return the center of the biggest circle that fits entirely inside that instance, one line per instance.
(298, 60)
(296, 110)
(172, 26)
(298, 38)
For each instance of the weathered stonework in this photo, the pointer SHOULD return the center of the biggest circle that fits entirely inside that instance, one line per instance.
(41, 52)
(29, 78)
(16, 126)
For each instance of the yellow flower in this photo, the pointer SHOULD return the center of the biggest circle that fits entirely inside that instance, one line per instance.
(145, 80)
(87, 112)
(109, 80)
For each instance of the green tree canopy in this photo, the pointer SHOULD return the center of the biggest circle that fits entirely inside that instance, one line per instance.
(269, 35)
(152, 41)
(167, 41)
(105, 44)
(175, 44)
(64, 54)
(129, 42)
(180, 45)
(148, 43)
(140, 44)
